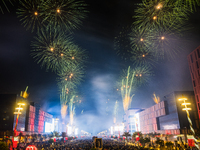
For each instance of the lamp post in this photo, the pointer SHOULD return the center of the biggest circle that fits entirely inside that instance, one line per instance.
(186, 108)
(18, 112)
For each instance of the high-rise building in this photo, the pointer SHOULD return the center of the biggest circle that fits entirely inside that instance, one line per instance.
(194, 64)
(167, 117)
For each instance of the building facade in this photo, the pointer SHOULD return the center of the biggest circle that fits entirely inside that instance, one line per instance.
(131, 120)
(194, 64)
(29, 120)
(167, 117)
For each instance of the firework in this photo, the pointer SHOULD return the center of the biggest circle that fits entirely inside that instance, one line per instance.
(141, 45)
(3, 3)
(166, 44)
(131, 79)
(71, 76)
(142, 75)
(191, 4)
(55, 51)
(115, 111)
(31, 14)
(156, 14)
(122, 43)
(156, 98)
(65, 14)
(72, 109)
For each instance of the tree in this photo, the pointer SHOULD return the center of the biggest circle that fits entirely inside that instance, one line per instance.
(160, 142)
(64, 135)
(126, 134)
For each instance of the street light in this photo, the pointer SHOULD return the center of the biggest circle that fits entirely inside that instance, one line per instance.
(186, 108)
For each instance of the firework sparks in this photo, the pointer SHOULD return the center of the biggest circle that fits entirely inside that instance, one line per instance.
(65, 14)
(155, 14)
(55, 50)
(156, 98)
(131, 79)
(3, 4)
(115, 111)
(31, 14)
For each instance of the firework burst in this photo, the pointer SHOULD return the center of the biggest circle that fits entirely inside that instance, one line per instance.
(191, 4)
(122, 43)
(131, 79)
(64, 14)
(156, 14)
(71, 76)
(31, 14)
(55, 51)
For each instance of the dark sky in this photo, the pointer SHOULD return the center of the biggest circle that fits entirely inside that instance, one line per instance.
(96, 36)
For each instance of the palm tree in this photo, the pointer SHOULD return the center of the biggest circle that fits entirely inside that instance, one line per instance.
(126, 134)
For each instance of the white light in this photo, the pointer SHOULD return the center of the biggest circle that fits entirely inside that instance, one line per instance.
(69, 130)
(186, 109)
(76, 131)
(181, 99)
(186, 103)
(48, 127)
(17, 113)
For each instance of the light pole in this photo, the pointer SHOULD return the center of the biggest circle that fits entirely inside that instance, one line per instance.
(18, 112)
(186, 108)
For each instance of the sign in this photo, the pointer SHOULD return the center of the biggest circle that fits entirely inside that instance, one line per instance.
(31, 147)
(98, 143)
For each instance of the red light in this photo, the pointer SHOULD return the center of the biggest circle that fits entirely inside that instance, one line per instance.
(31, 147)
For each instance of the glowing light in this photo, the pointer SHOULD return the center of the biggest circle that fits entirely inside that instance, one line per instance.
(186, 103)
(143, 55)
(141, 39)
(124, 86)
(19, 108)
(72, 57)
(117, 89)
(58, 10)
(186, 109)
(63, 111)
(140, 75)
(36, 13)
(156, 98)
(136, 75)
(159, 6)
(154, 17)
(51, 49)
(162, 38)
(71, 74)
(66, 79)
(61, 54)
(182, 99)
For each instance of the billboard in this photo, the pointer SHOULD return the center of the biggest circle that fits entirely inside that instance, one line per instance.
(49, 127)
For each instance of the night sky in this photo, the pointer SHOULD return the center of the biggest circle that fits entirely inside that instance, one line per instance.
(96, 35)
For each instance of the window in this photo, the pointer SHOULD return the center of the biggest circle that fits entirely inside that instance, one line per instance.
(197, 64)
(195, 55)
(191, 58)
(194, 83)
(198, 53)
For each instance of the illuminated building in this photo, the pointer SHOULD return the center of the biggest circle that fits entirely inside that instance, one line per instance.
(194, 64)
(131, 120)
(29, 120)
(167, 117)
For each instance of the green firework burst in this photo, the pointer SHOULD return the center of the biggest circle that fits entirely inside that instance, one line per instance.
(64, 14)
(156, 14)
(122, 43)
(31, 14)
(55, 50)
(191, 4)
(71, 76)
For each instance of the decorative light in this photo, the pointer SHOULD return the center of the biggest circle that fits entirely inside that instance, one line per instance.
(61, 54)
(141, 39)
(140, 75)
(136, 75)
(65, 79)
(73, 57)
(143, 55)
(36, 13)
